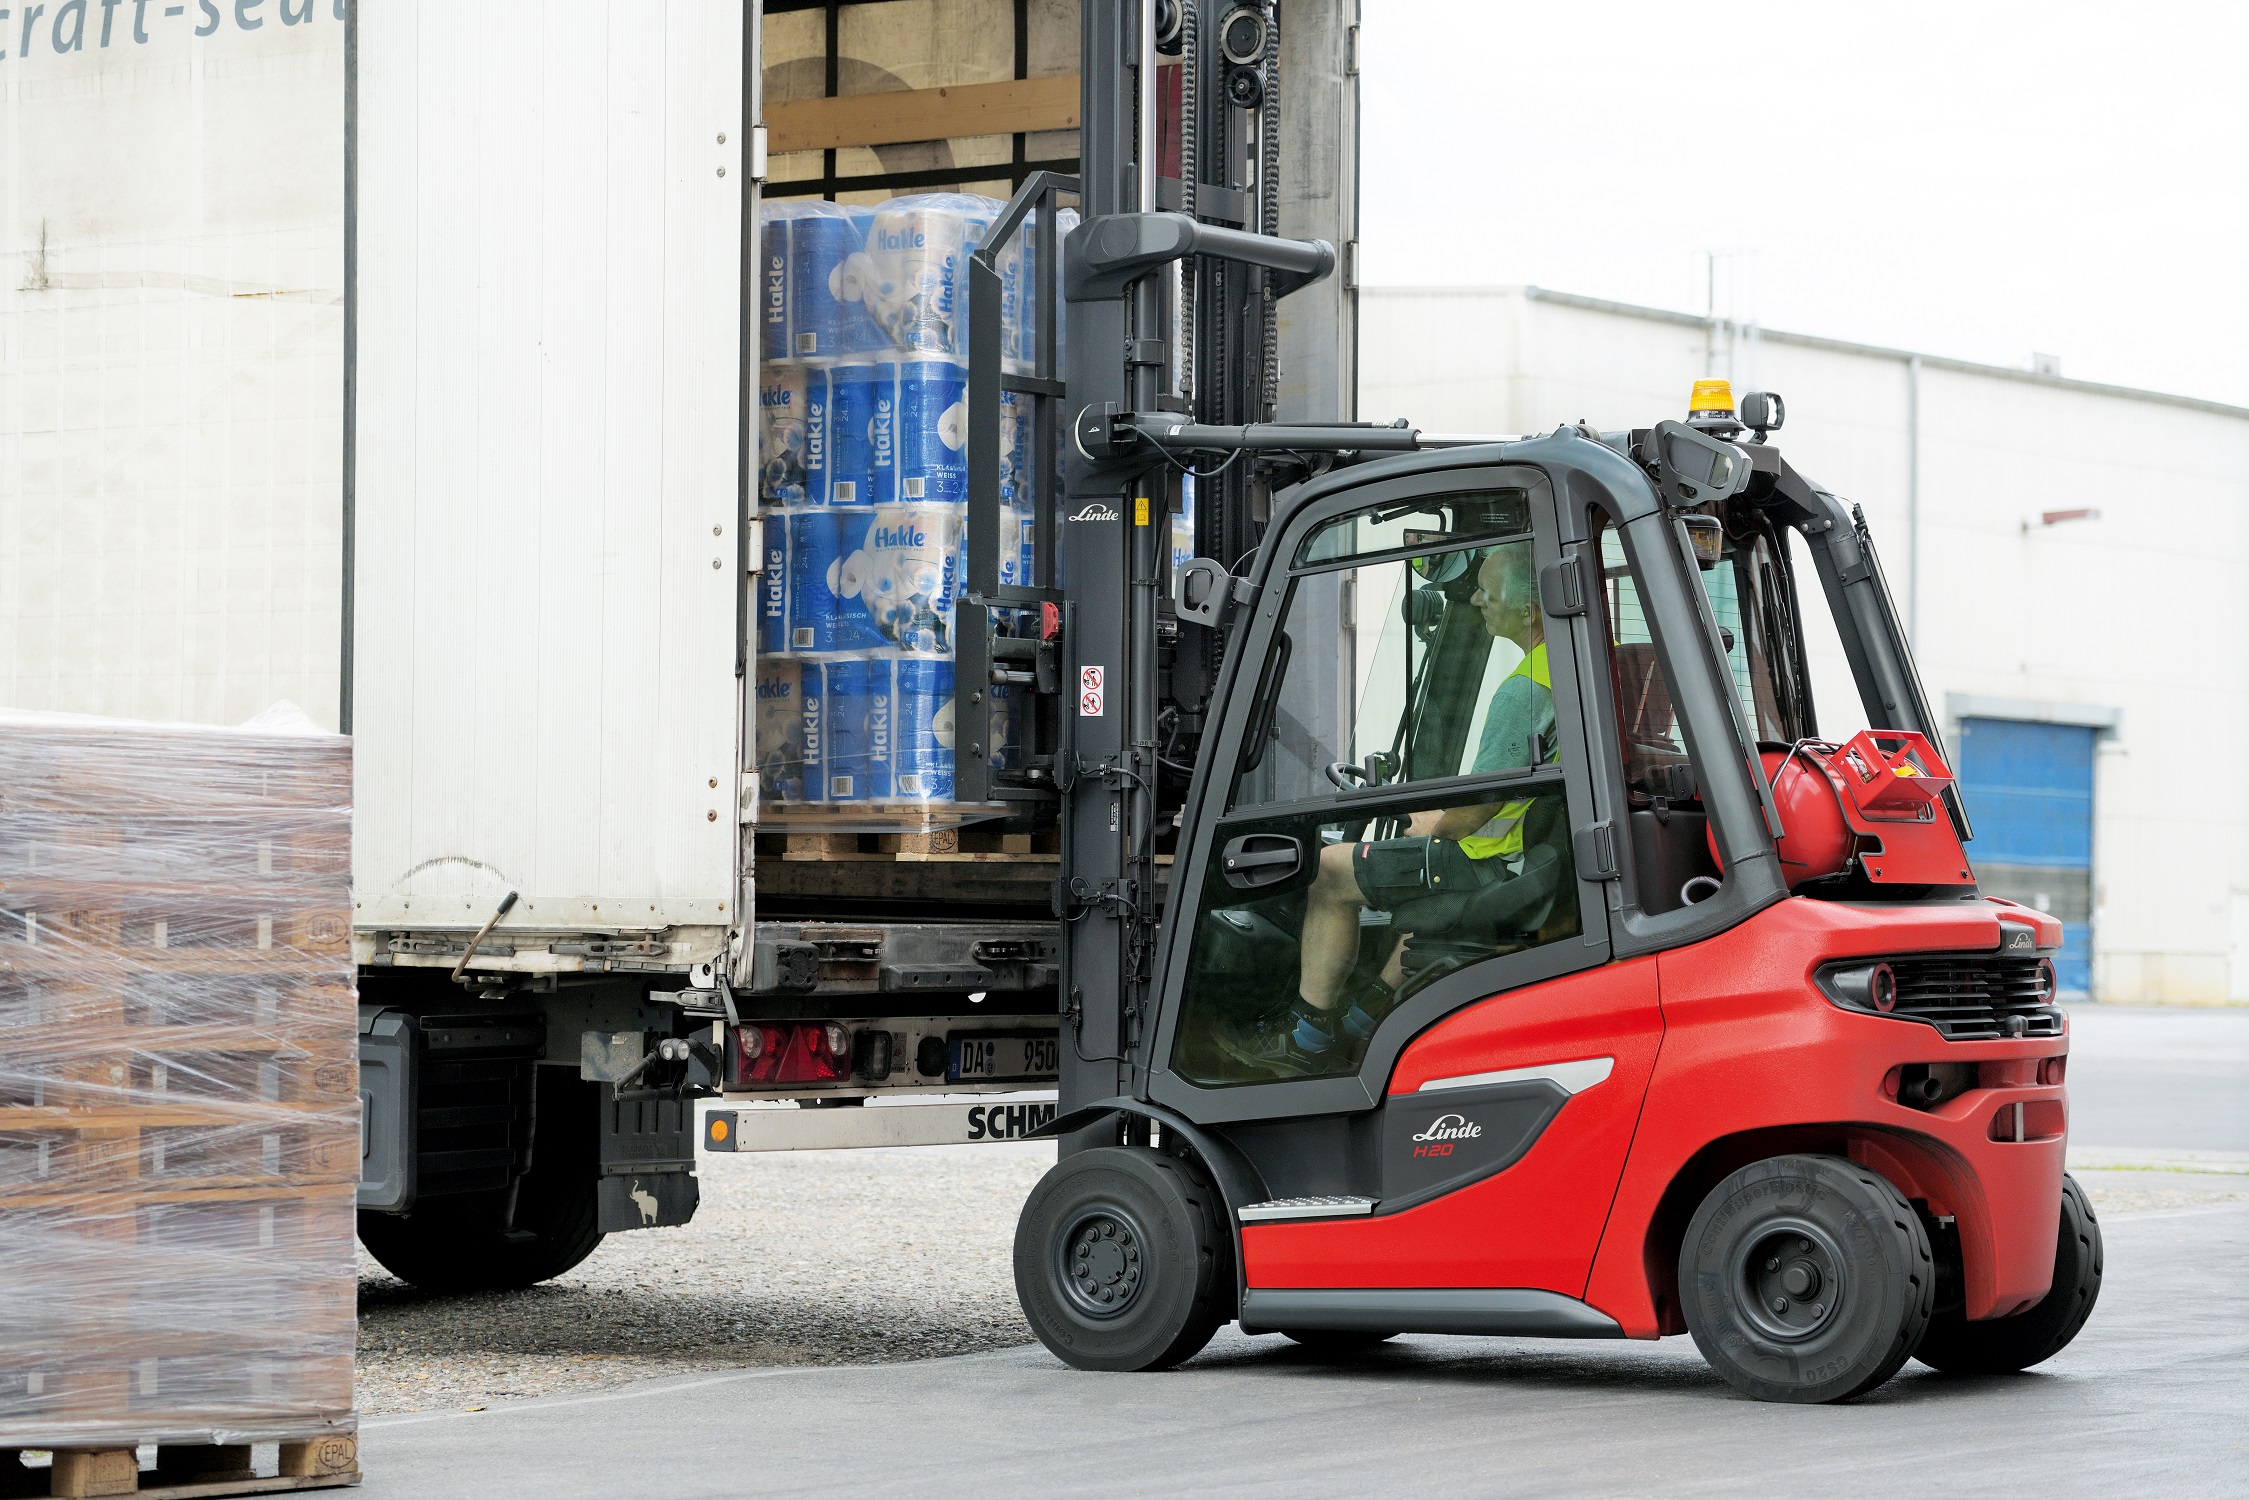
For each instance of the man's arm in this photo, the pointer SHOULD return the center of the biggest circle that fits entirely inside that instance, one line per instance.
(1452, 822)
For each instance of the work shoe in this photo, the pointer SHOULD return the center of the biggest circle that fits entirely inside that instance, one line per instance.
(1366, 1003)
(1289, 1041)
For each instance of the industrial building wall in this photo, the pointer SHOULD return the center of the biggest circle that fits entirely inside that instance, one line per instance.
(2133, 625)
(171, 357)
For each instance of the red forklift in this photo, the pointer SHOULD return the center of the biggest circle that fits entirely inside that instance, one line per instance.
(1465, 927)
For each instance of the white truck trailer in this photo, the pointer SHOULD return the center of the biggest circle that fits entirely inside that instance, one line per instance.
(576, 909)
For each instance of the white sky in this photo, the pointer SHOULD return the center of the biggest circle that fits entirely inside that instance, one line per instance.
(1973, 179)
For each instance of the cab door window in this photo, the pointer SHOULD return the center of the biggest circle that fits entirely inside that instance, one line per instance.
(1422, 672)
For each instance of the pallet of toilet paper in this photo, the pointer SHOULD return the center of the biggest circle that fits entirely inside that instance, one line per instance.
(863, 478)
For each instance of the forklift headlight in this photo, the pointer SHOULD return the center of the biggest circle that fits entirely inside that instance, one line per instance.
(1866, 987)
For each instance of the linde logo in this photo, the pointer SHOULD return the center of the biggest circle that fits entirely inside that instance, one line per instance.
(905, 237)
(903, 534)
(1444, 1133)
(1450, 1128)
(1098, 511)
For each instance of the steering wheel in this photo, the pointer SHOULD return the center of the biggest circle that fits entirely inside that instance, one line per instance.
(1348, 777)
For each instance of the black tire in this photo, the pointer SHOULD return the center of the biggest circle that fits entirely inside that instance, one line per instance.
(1806, 1279)
(1123, 1260)
(2002, 1346)
(1336, 1343)
(459, 1243)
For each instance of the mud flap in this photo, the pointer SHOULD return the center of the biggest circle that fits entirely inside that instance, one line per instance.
(647, 1200)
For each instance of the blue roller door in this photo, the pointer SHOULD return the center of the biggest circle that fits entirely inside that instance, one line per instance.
(2029, 789)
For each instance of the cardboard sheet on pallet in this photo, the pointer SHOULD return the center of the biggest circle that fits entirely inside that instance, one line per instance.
(179, 1110)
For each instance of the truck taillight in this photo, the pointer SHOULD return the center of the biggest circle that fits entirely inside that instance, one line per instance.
(790, 1052)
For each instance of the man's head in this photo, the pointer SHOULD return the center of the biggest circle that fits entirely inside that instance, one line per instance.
(1507, 595)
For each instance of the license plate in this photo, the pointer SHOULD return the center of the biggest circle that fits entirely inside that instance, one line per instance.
(994, 1057)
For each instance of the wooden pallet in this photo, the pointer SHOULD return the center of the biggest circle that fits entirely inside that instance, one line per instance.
(184, 1469)
(98, 921)
(818, 843)
(170, 772)
(307, 851)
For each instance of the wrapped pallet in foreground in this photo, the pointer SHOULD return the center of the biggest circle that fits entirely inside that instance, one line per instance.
(179, 1110)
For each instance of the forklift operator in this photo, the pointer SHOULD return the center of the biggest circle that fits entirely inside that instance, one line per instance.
(1454, 849)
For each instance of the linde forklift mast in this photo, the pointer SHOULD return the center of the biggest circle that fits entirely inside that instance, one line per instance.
(1171, 312)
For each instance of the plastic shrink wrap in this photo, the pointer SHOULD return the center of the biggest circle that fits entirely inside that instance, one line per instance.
(179, 1109)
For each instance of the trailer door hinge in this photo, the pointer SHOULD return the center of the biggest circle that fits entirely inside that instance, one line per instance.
(748, 815)
(1596, 852)
(758, 140)
(1351, 52)
(756, 542)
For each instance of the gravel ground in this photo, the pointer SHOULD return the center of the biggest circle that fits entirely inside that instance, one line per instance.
(815, 1257)
(821, 1257)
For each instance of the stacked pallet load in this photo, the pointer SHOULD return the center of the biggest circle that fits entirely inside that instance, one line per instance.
(179, 1110)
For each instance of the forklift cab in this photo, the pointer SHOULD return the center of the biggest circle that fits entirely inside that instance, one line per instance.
(1451, 732)
(1485, 820)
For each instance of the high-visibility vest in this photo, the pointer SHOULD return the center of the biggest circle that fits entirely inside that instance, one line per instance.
(1508, 840)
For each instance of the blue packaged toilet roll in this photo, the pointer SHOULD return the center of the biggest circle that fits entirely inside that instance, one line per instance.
(918, 249)
(827, 268)
(812, 732)
(781, 434)
(770, 601)
(862, 397)
(897, 579)
(819, 543)
(932, 429)
(780, 727)
(924, 770)
(773, 280)
(860, 711)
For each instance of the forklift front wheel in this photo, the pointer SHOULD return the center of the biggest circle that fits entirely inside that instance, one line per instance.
(1121, 1260)
(1806, 1279)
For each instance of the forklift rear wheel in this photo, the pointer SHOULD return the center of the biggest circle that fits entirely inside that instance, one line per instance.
(1806, 1278)
(1335, 1343)
(2001, 1346)
(1121, 1260)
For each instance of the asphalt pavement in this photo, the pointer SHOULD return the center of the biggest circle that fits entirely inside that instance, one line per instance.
(2149, 1399)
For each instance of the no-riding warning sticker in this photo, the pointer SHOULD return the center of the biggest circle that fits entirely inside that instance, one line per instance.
(1089, 692)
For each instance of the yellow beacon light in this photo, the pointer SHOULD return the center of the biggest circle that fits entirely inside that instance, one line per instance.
(1711, 398)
